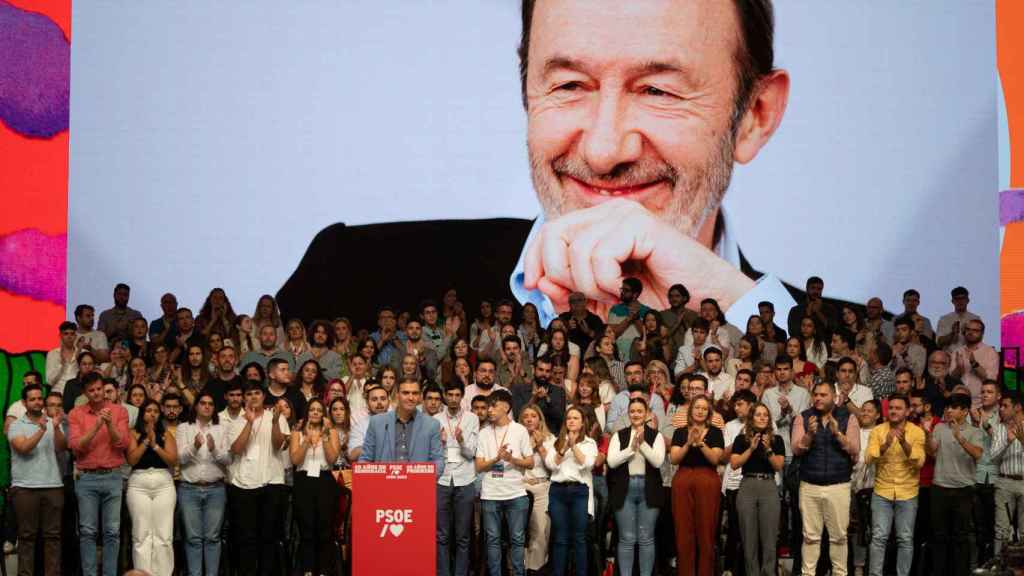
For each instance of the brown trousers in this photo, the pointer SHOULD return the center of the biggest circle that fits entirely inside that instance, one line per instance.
(39, 512)
(695, 500)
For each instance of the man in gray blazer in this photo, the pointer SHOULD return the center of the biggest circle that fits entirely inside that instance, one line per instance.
(405, 434)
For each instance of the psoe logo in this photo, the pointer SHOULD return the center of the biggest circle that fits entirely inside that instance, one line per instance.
(393, 521)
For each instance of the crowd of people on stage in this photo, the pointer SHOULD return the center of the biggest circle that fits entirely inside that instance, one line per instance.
(648, 442)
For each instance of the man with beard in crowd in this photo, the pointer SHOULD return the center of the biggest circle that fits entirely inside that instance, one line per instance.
(484, 382)
(938, 382)
(218, 385)
(975, 361)
(548, 396)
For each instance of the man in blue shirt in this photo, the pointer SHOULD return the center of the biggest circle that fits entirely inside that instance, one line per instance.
(37, 483)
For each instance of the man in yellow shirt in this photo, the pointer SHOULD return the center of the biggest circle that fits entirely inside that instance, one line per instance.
(897, 449)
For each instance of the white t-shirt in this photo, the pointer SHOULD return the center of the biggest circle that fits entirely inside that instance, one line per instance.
(95, 338)
(16, 410)
(503, 481)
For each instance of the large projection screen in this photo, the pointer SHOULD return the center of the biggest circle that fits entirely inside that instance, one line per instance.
(211, 142)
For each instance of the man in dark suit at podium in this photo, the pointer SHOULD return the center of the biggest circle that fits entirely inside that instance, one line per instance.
(404, 434)
(636, 114)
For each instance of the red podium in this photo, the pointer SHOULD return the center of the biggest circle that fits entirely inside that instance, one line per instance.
(394, 526)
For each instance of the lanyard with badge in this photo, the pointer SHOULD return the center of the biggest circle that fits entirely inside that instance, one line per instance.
(453, 448)
(498, 469)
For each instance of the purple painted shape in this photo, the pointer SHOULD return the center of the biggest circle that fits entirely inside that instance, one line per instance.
(35, 81)
(34, 264)
(1011, 206)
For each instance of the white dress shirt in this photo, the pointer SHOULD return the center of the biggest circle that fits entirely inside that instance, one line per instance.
(460, 464)
(200, 465)
(356, 401)
(799, 400)
(569, 470)
(721, 386)
(228, 423)
(54, 377)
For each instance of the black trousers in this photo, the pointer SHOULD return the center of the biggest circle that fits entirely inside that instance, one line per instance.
(984, 521)
(734, 558)
(256, 516)
(664, 535)
(952, 523)
(70, 558)
(315, 505)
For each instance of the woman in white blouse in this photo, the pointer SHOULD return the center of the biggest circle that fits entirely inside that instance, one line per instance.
(537, 483)
(635, 494)
(313, 451)
(862, 484)
(203, 454)
(570, 459)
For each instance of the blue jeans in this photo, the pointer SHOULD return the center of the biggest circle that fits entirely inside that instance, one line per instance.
(515, 512)
(567, 506)
(202, 517)
(636, 521)
(883, 513)
(99, 495)
(454, 503)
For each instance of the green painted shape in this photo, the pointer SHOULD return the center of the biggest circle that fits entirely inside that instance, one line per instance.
(1010, 379)
(13, 367)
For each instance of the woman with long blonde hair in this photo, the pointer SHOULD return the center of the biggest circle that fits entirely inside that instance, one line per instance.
(537, 484)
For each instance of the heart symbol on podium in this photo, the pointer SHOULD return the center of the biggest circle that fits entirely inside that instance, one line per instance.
(396, 530)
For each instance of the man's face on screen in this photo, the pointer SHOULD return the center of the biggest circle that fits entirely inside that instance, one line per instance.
(632, 100)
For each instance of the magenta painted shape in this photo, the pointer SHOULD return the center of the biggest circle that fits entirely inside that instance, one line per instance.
(34, 264)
